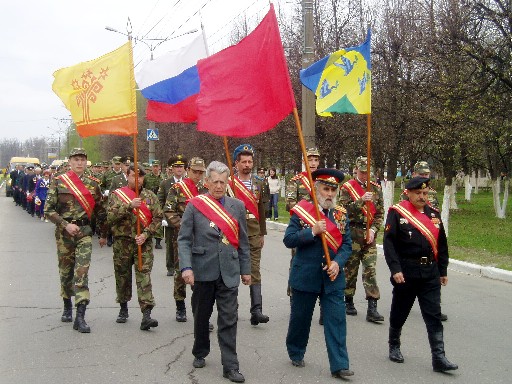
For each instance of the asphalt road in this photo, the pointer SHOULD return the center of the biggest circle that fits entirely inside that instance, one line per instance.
(35, 347)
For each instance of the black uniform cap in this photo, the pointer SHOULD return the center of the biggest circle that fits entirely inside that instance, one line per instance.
(417, 182)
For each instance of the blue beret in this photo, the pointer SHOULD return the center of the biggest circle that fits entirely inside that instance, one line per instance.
(244, 149)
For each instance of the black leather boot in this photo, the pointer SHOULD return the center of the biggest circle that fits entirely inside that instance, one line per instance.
(147, 321)
(123, 313)
(80, 325)
(349, 306)
(371, 314)
(256, 308)
(439, 361)
(394, 345)
(67, 314)
(181, 311)
(158, 245)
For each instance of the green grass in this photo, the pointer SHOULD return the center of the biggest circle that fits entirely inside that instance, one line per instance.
(475, 234)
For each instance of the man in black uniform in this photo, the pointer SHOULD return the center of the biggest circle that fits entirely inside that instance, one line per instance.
(416, 252)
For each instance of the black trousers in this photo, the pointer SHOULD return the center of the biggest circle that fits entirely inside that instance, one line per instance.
(204, 295)
(428, 292)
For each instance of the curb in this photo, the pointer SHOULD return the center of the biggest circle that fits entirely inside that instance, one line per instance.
(455, 265)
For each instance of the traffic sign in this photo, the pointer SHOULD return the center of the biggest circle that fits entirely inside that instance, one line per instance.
(152, 134)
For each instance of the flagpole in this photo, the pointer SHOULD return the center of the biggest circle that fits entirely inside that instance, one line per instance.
(136, 170)
(369, 171)
(230, 164)
(310, 178)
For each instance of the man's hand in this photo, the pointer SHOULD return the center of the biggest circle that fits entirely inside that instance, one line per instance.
(399, 278)
(188, 276)
(319, 227)
(333, 270)
(444, 280)
(371, 236)
(73, 229)
(368, 196)
(136, 203)
(140, 239)
(103, 241)
(246, 279)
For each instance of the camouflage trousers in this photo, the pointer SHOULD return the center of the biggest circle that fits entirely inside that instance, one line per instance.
(74, 259)
(171, 237)
(159, 233)
(366, 255)
(255, 244)
(126, 256)
(180, 288)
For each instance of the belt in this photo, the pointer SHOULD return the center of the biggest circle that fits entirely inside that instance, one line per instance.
(80, 222)
(250, 216)
(421, 260)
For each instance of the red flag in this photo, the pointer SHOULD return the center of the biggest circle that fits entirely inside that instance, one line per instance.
(246, 89)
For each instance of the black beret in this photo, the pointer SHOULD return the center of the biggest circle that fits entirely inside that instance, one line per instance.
(417, 182)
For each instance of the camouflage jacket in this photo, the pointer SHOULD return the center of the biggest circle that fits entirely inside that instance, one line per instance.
(295, 191)
(177, 202)
(432, 198)
(118, 181)
(62, 207)
(107, 177)
(354, 208)
(163, 190)
(122, 220)
(152, 182)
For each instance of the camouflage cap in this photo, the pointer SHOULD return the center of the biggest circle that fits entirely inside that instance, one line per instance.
(421, 167)
(197, 164)
(313, 151)
(116, 159)
(105, 163)
(146, 165)
(98, 165)
(155, 162)
(77, 152)
(362, 163)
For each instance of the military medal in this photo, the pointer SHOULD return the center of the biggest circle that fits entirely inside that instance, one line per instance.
(212, 224)
(225, 239)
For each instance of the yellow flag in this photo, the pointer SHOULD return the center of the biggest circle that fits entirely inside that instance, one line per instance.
(100, 94)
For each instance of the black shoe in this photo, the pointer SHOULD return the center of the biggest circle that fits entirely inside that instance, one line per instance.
(123, 315)
(158, 246)
(210, 327)
(199, 362)
(80, 325)
(258, 317)
(170, 272)
(147, 321)
(372, 315)
(67, 315)
(234, 375)
(298, 363)
(444, 317)
(442, 364)
(349, 306)
(181, 315)
(342, 373)
(109, 242)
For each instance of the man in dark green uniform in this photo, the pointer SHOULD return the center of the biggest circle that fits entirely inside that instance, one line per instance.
(152, 182)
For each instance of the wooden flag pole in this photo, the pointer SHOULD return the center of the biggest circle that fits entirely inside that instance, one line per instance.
(136, 170)
(369, 171)
(310, 178)
(230, 165)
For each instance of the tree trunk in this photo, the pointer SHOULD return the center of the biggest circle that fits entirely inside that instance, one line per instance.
(467, 188)
(388, 192)
(477, 179)
(445, 209)
(500, 207)
(453, 192)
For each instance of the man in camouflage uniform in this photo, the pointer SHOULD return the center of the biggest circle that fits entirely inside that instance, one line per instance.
(122, 219)
(109, 174)
(121, 180)
(353, 197)
(175, 205)
(243, 157)
(177, 165)
(152, 182)
(74, 234)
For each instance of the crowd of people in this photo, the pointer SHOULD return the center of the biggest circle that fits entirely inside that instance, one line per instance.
(214, 225)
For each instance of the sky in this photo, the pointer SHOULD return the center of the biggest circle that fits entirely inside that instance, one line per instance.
(39, 37)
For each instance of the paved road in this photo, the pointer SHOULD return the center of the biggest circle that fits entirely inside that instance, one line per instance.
(37, 348)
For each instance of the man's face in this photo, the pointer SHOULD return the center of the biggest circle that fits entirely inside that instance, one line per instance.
(178, 171)
(326, 195)
(216, 184)
(261, 174)
(155, 169)
(168, 171)
(195, 175)
(418, 197)
(244, 165)
(363, 176)
(116, 167)
(124, 167)
(131, 180)
(314, 162)
(77, 164)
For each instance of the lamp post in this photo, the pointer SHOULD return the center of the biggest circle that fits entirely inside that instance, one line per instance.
(152, 47)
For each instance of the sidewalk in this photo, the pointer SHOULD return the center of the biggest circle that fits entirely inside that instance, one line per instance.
(455, 265)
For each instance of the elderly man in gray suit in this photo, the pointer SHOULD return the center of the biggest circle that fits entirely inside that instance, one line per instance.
(213, 250)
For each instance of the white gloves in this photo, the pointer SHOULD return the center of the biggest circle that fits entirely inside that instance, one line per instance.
(164, 223)
(106, 193)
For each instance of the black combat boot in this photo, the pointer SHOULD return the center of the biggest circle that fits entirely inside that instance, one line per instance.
(439, 361)
(80, 325)
(371, 314)
(394, 345)
(158, 245)
(181, 311)
(349, 306)
(67, 314)
(256, 308)
(147, 321)
(123, 313)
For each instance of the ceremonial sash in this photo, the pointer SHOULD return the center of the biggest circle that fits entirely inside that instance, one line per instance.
(79, 190)
(247, 197)
(127, 195)
(188, 188)
(356, 192)
(420, 221)
(307, 212)
(215, 212)
(303, 178)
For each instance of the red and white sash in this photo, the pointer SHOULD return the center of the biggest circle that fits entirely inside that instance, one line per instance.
(307, 212)
(303, 178)
(79, 190)
(356, 191)
(127, 195)
(188, 188)
(242, 193)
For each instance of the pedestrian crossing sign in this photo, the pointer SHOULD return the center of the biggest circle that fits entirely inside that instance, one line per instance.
(152, 134)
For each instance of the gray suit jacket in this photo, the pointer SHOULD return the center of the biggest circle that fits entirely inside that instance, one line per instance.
(200, 246)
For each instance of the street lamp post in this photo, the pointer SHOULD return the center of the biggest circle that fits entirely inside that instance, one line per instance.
(151, 143)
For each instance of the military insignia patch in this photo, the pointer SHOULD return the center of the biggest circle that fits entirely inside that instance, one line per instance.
(388, 227)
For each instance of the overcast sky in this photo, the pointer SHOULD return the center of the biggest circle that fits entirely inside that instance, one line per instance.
(39, 37)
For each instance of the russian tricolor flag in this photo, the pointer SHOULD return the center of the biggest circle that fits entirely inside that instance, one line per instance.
(171, 83)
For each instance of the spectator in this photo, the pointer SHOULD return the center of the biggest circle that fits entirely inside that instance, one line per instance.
(275, 186)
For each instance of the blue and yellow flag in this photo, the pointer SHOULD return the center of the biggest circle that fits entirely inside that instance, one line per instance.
(342, 81)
